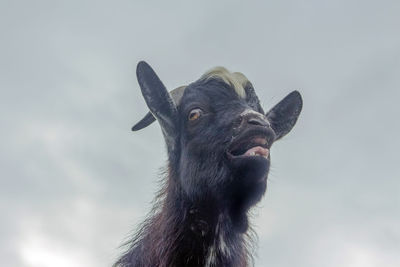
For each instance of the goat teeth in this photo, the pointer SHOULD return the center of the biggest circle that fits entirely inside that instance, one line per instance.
(256, 151)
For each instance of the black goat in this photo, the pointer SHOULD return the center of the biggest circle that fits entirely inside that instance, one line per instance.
(218, 139)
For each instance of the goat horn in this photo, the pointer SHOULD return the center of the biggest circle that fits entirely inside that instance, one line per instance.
(251, 96)
(148, 119)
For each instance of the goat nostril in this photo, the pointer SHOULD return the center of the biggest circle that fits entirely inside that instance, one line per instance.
(256, 121)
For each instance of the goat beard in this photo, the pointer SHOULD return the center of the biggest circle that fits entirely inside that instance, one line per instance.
(236, 185)
(248, 185)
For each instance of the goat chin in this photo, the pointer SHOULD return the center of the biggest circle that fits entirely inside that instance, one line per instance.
(250, 169)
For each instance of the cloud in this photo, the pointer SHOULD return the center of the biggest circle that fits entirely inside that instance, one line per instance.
(75, 181)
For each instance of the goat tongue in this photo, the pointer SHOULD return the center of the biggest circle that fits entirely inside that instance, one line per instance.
(257, 151)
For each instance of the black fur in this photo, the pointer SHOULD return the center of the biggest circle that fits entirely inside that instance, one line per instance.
(200, 217)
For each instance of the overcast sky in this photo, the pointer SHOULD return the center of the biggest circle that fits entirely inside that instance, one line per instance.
(75, 181)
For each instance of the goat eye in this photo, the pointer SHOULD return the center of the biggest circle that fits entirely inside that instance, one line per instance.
(194, 114)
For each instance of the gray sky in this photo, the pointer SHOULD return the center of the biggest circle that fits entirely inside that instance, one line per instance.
(75, 181)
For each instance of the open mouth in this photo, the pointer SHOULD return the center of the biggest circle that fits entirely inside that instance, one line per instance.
(256, 146)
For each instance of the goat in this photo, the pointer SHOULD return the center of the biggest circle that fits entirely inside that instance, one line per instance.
(218, 139)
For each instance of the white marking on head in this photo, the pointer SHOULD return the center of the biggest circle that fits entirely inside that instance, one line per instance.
(251, 111)
(236, 79)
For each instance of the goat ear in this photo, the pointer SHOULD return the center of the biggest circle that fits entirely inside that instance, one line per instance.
(159, 101)
(283, 116)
